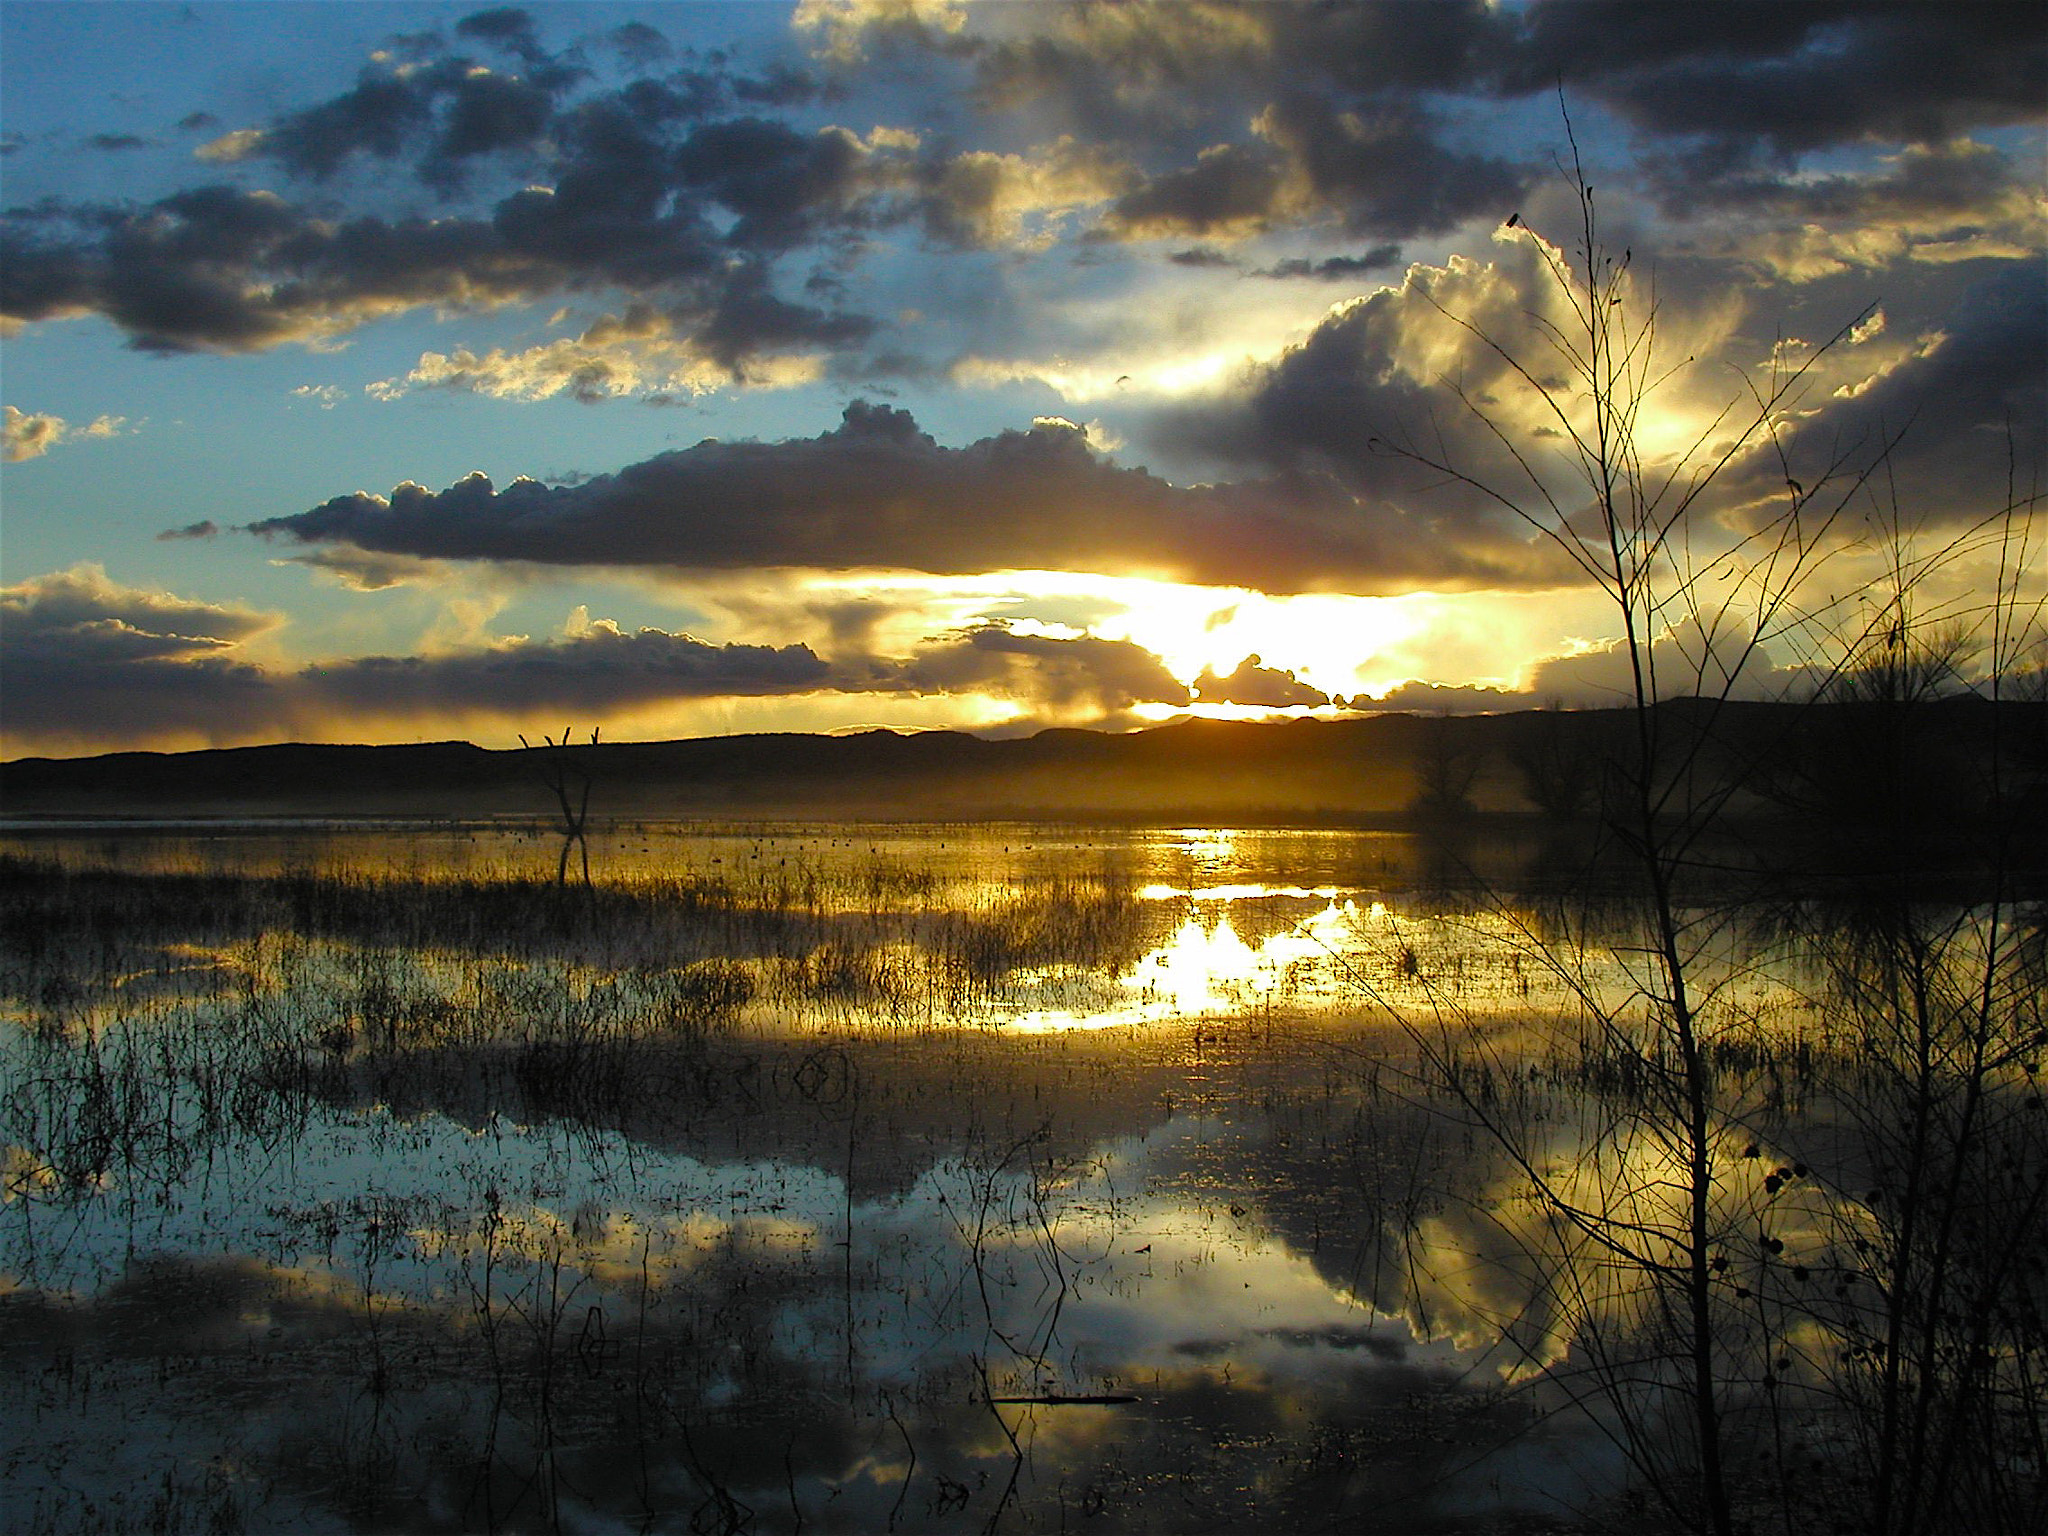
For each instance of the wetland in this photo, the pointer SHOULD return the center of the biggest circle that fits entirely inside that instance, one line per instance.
(835, 1176)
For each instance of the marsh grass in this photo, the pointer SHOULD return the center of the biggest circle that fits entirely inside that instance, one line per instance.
(186, 1043)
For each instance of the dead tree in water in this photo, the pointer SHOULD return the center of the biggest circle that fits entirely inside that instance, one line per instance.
(570, 786)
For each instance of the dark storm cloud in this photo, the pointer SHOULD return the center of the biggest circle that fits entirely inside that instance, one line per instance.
(1106, 62)
(1380, 167)
(1927, 199)
(362, 571)
(1383, 373)
(116, 142)
(1376, 169)
(1955, 178)
(639, 44)
(222, 269)
(878, 493)
(437, 111)
(1380, 258)
(1108, 676)
(84, 601)
(507, 26)
(66, 700)
(205, 528)
(780, 183)
(1230, 189)
(780, 84)
(602, 668)
(1957, 406)
(642, 198)
(511, 31)
(90, 661)
(379, 117)
(1256, 684)
(1397, 376)
(1336, 92)
(648, 195)
(439, 116)
(1792, 77)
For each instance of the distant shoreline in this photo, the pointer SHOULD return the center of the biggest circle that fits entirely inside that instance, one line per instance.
(1369, 773)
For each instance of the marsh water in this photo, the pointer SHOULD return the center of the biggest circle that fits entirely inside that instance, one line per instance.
(796, 1177)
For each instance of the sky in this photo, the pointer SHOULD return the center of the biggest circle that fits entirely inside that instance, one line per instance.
(395, 372)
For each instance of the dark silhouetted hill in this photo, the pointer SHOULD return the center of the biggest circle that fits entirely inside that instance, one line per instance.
(1371, 769)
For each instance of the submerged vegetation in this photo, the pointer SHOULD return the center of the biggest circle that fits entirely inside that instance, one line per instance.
(775, 1181)
(1785, 1304)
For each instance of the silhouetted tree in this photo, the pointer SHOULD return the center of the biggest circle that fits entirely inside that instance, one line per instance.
(568, 779)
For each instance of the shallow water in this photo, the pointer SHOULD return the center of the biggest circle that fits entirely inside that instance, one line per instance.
(1024, 1176)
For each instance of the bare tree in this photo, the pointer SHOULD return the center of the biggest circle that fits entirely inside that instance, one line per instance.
(568, 779)
(1647, 1219)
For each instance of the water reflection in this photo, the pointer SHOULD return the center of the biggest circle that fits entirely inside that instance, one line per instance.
(819, 1178)
(1204, 969)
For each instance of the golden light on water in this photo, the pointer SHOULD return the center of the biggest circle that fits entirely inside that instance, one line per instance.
(1206, 968)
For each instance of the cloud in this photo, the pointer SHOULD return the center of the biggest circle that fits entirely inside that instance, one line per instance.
(1065, 674)
(977, 198)
(1230, 191)
(847, 30)
(1412, 365)
(1441, 699)
(361, 570)
(1377, 168)
(623, 192)
(205, 528)
(442, 110)
(225, 270)
(641, 201)
(239, 144)
(1947, 202)
(1966, 405)
(1783, 78)
(635, 353)
(1109, 63)
(878, 493)
(84, 597)
(639, 44)
(1773, 76)
(703, 192)
(600, 669)
(596, 666)
(80, 617)
(1694, 658)
(30, 436)
(1337, 268)
(1256, 684)
(91, 662)
(1421, 372)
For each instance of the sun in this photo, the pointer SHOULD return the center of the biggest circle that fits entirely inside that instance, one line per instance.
(1328, 640)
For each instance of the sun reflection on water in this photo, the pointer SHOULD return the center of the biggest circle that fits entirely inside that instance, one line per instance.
(1205, 967)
